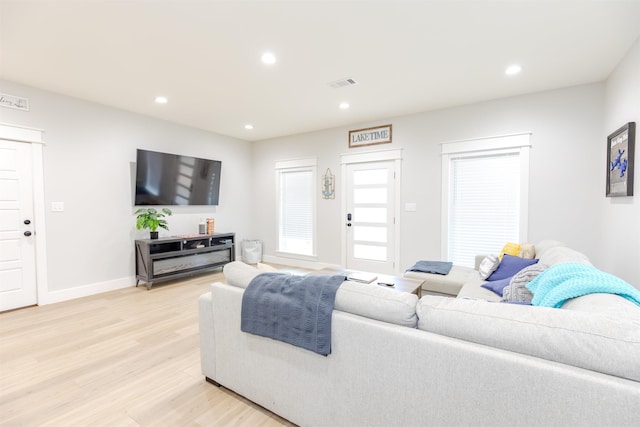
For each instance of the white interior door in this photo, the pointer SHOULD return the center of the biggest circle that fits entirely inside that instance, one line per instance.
(370, 217)
(17, 243)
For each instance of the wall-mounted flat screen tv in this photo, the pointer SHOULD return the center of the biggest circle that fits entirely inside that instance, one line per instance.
(170, 179)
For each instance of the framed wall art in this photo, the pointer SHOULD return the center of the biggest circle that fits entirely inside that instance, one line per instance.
(620, 161)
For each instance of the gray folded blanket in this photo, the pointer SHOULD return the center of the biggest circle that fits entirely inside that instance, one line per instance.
(434, 267)
(293, 309)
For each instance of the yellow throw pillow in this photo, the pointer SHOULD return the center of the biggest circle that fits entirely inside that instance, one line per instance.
(512, 249)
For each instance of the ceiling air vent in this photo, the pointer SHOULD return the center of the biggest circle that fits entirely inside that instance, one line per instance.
(343, 83)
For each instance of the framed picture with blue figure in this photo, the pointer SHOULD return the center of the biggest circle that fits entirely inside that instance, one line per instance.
(620, 165)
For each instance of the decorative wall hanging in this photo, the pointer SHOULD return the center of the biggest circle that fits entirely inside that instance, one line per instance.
(16, 102)
(328, 185)
(620, 156)
(370, 136)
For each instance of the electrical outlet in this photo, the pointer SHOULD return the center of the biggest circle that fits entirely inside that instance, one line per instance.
(57, 206)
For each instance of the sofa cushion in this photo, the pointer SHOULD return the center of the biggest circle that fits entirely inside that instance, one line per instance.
(476, 291)
(545, 245)
(364, 299)
(593, 341)
(446, 284)
(375, 302)
(560, 254)
(239, 274)
(509, 266)
(607, 304)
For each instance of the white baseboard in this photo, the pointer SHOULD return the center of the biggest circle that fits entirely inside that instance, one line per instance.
(86, 290)
(293, 262)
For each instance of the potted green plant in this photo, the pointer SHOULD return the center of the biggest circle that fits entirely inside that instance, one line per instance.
(152, 219)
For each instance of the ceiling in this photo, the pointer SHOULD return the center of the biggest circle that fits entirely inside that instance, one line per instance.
(406, 56)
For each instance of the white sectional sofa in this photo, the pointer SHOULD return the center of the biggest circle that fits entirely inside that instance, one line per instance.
(437, 361)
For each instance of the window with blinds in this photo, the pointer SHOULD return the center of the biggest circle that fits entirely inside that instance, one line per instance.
(483, 205)
(485, 192)
(296, 210)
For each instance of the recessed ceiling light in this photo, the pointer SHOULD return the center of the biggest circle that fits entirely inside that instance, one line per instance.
(268, 58)
(344, 105)
(248, 126)
(161, 99)
(512, 70)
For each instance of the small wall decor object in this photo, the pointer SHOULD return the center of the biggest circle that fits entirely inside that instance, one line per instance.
(370, 136)
(11, 101)
(328, 185)
(620, 161)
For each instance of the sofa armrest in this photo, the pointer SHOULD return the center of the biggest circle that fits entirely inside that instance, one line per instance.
(478, 260)
(207, 335)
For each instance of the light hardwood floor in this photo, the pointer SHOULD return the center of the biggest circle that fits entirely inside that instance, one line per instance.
(123, 358)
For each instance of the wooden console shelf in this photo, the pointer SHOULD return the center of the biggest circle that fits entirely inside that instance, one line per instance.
(168, 258)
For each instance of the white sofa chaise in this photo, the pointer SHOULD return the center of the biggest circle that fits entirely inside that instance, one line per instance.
(439, 361)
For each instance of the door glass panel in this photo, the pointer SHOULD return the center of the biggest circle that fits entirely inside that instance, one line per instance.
(369, 177)
(375, 215)
(373, 253)
(370, 195)
(370, 234)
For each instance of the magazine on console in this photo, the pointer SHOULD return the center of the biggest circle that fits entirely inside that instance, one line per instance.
(362, 277)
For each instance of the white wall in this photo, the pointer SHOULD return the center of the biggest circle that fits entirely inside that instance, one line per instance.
(89, 159)
(620, 225)
(90, 152)
(565, 180)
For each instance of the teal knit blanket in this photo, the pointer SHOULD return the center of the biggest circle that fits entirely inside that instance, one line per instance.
(554, 286)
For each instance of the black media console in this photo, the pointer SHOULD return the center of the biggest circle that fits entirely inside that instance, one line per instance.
(172, 257)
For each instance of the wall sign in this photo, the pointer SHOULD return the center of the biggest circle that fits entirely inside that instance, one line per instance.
(370, 136)
(10, 101)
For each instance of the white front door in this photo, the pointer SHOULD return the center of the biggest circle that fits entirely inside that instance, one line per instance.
(17, 242)
(370, 217)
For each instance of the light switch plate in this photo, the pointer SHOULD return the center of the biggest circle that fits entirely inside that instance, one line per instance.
(410, 207)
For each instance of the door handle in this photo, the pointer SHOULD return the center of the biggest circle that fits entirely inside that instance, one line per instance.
(27, 233)
(27, 221)
(348, 224)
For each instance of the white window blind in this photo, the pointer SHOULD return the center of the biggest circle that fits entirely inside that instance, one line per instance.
(296, 210)
(484, 205)
(485, 192)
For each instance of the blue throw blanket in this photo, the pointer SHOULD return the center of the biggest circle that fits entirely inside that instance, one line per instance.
(554, 286)
(434, 267)
(293, 309)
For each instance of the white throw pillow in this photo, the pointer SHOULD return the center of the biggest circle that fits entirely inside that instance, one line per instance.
(488, 265)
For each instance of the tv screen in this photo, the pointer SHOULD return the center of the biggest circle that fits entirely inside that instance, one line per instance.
(170, 179)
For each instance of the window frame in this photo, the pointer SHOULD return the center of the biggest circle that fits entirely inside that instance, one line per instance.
(298, 165)
(497, 145)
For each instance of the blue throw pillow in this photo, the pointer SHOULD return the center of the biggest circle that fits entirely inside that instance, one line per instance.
(509, 266)
(497, 285)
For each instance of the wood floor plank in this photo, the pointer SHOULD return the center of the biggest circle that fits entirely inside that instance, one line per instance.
(124, 358)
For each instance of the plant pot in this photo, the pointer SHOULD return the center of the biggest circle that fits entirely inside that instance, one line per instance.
(153, 234)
